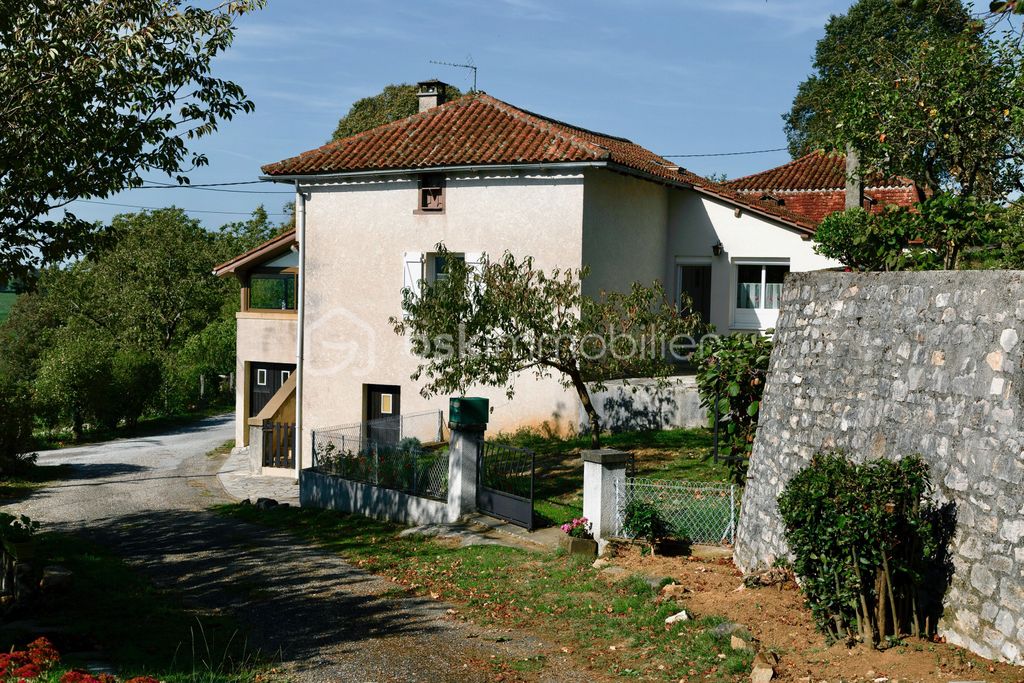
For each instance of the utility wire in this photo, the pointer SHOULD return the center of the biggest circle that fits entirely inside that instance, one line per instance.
(210, 187)
(724, 154)
(158, 208)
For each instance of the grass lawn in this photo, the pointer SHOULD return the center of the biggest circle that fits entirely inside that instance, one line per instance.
(6, 301)
(18, 487)
(618, 628)
(140, 629)
(670, 454)
(46, 439)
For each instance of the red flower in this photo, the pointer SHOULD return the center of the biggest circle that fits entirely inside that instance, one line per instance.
(42, 653)
(27, 671)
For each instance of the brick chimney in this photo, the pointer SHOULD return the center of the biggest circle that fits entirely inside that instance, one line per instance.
(432, 93)
(854, 182)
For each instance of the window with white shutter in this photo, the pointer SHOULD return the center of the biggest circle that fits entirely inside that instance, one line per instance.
(412, 273)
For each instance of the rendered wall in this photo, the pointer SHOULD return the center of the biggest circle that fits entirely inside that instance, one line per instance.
(357, 233)
(697, 222)
(262, 338)
(883, 365)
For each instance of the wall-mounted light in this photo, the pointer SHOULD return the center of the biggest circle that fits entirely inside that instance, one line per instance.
(718, 248)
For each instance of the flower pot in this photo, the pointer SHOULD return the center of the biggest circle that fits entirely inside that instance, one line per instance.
(23, 550)
(579, 546)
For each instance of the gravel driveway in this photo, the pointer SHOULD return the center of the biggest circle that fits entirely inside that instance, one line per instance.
(321, 618)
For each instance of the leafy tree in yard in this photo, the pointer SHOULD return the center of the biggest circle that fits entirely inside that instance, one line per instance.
(935, 235)
(1013, 238)
(74, 384)
(850, 42)
(15, 426)
(483, 326)
(731, 373)
(152, 287)
(93, 95)
(395, 102)
(938, 101)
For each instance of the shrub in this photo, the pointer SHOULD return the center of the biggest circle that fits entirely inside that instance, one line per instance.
(135, 377)
(15, 427)
(730, 373)
(864, 537)
(643, 520)
(74, 383)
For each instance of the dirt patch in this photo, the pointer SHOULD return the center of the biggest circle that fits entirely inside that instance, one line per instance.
(776, 616)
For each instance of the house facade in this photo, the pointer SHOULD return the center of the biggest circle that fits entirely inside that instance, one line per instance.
(483, 177)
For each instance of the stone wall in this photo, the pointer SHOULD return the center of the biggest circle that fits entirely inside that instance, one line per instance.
(889, 364)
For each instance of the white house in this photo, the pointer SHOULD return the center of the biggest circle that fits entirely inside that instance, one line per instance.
(481, 176)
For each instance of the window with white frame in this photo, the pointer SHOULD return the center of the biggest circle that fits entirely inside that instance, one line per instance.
(759, 293)
(437, 267)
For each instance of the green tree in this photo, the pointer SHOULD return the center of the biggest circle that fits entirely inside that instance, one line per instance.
(74, 384)
(395, 102)
(1013, 238)
(939, 104)
(151, 287)
(936, 234)
(731, 373)
(851, 42)
(93, 95)
(482, 326)
(16, 419)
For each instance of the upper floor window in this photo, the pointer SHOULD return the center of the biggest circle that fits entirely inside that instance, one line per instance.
(273, 290)
(431, 193)
(438, 266)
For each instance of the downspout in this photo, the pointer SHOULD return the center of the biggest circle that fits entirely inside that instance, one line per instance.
(300, 220)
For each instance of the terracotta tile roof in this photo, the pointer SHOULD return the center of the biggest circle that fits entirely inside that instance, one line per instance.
(818, 170)
(480, 130)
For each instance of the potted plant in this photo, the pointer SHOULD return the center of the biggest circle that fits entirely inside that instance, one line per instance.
(16, 535)
(579, 538)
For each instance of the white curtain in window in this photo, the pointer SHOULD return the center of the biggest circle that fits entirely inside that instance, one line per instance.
(748, 295)
(773, 295)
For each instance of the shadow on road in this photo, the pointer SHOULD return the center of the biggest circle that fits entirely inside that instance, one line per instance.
(296, 599)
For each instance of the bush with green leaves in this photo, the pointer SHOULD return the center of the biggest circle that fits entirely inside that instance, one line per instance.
(644, 520)
(15, 427)
(868, 545)
(731, 373)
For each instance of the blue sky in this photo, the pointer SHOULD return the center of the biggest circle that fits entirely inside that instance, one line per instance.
(677, 76)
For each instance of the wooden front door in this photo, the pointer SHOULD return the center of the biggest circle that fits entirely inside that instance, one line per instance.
(695, 282)
(383, 413)
(264, 381)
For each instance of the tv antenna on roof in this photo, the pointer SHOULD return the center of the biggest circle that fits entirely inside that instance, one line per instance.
(460, 66)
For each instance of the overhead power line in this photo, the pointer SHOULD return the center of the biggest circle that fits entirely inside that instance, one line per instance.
(725, 154)
(157, 208)
(211, 187)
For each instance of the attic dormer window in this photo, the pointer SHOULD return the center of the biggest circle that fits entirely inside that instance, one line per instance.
(431, 194)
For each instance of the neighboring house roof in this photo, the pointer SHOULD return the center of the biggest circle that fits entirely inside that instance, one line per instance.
(480, 130)
(814, 186)
(269, 249)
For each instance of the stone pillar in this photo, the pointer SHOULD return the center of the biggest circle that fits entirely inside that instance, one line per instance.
(255, 449)
(603, 471)
(463, 456)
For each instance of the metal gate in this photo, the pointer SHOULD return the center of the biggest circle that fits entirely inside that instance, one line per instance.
(505, 483)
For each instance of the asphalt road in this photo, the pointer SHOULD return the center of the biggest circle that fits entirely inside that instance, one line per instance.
(317, 617)
(118, 478)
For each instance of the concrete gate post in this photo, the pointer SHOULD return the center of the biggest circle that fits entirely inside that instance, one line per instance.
(463, 456)
(604, 470)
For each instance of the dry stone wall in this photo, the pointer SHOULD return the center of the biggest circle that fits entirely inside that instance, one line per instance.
(882, 365)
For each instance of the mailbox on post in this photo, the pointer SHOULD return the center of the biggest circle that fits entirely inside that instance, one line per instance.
(467, 412)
